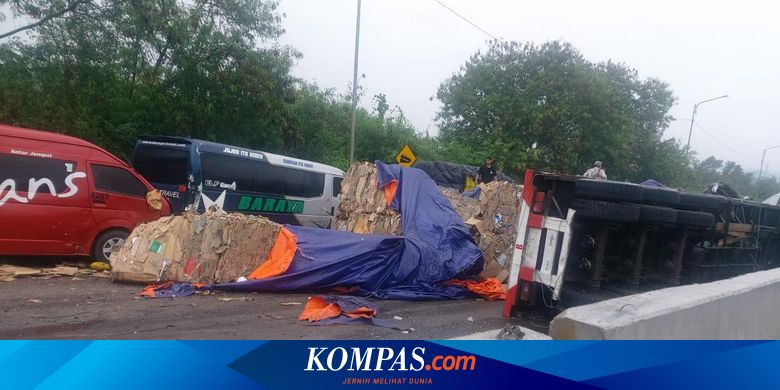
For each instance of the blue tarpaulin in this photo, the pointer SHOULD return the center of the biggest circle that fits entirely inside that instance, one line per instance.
(435, 248)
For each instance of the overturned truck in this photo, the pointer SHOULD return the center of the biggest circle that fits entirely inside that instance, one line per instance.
(588, 235)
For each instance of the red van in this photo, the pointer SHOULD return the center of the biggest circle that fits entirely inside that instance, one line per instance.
(61, 195)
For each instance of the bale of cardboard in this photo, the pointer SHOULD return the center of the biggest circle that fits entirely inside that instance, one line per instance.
(492, 218)
(213, 247)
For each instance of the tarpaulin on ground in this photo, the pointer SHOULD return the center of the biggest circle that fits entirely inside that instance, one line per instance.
(436, 247)
(342, 310)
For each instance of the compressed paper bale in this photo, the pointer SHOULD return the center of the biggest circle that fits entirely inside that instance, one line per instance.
(467, 208)
(491, 269)
(502, 275)
(500, 199)
(363, 209)
(215, 247)
(362, 206)
(249, 244)
(134, 261)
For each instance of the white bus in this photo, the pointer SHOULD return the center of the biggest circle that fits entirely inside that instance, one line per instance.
(284, 189)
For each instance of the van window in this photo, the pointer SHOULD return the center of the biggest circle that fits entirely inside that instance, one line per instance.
(336, 186)
(161, 165)
(23, 168)
(255, 176)
(117, 180)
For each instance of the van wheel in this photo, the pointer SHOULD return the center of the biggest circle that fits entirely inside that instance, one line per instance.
(105, 244)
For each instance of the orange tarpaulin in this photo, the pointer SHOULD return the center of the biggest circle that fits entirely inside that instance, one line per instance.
(390, 189)
(279, 258)
(319, 308)
(488, 288)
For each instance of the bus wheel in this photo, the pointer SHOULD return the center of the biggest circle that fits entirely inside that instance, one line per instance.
(106, 243)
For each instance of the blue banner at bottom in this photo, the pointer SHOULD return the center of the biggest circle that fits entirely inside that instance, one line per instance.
(348, 364)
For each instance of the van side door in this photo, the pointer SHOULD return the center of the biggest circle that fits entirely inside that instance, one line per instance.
(43, 204)
(117, 197)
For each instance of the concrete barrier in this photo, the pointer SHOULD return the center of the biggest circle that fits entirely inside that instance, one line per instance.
(743, 307)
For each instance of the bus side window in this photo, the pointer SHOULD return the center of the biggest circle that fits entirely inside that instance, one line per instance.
(218, 170)
(287, 181)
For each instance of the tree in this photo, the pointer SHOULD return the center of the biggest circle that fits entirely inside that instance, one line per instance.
(43, 10)
(118, 69)
(515, 95)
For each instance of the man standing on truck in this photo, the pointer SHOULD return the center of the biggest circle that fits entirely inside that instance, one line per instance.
(596, 172)
(487, 172)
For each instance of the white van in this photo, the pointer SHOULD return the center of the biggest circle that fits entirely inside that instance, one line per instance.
(284, 189)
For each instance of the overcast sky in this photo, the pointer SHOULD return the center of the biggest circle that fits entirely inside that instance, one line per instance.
(702, 49)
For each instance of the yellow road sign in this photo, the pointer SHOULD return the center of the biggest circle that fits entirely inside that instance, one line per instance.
(405, 157)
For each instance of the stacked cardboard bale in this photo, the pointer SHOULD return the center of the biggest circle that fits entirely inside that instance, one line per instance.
(492, 218)
(466, 208)
(496, 226)
(214, 247)
(362, 206)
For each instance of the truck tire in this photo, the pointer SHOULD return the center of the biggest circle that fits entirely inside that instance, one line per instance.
(656, 214)
(105, 241)
(607, 211)
(608, 190)
(660, 196)
(706, 202)
(695, 219)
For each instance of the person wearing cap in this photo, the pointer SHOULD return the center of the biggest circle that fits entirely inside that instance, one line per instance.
(487, 172)
(596, 172)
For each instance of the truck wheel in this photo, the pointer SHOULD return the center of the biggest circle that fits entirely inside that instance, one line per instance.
(608, 190)
(695, 218)
(660, 196)
(106, 242)
(693, 201)
(655, 214)
(605, 210)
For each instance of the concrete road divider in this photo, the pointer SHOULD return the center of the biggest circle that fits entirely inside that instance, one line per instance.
(743, 307)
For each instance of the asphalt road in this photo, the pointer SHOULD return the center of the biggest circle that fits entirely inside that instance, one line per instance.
(89, 307)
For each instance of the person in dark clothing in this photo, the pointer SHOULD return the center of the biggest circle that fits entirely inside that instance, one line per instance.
(487, 172)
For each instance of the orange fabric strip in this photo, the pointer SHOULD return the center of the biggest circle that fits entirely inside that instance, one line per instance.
(362, 312)
(280, 257)
(488, 288)
(390, 189)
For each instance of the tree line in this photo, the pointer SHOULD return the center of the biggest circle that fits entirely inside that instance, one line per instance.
(109, 71)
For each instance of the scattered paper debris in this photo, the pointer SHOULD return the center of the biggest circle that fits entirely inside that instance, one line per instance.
(9, 273)
(470, 319)
(397, 318)
(34, 301)
(228, 299)
(290, 303)
(63, 270)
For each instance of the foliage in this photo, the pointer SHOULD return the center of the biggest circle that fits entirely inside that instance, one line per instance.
(514, 95)
(109, 71)
(116, 69)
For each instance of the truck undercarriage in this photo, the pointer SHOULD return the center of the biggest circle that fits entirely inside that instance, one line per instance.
(627, 238)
